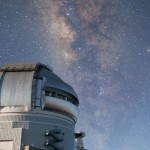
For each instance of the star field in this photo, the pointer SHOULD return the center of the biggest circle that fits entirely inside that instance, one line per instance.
(101, 48)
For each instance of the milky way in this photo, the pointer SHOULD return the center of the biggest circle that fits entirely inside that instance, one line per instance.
(101, 48)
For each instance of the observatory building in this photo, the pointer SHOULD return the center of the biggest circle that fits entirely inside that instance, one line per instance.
(38, 110)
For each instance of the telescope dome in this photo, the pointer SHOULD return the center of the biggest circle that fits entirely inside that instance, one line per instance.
(31, 86)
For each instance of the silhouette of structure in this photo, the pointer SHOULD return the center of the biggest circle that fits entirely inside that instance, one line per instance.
(38, 110)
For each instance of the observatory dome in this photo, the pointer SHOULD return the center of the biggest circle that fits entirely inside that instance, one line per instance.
(34, 86)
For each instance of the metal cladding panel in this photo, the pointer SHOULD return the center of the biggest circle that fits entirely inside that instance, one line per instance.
(13, 135)
(58, 84)
(61, 105)
(16, 89)
(6, 145)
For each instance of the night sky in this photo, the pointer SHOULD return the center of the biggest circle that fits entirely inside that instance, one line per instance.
(102, 49)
